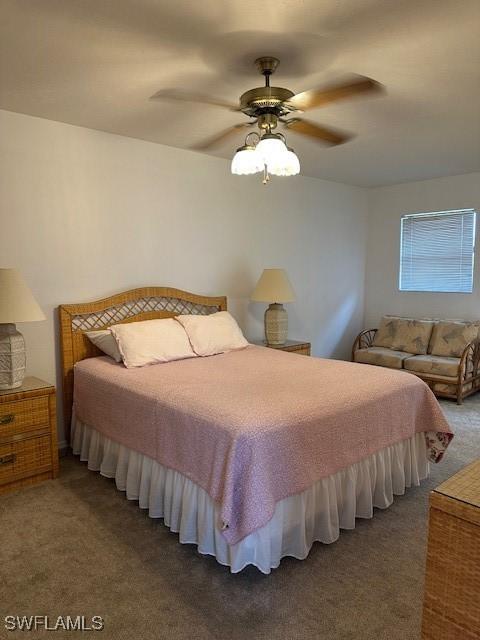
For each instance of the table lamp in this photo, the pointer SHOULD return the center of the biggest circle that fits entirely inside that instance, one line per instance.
(16, 305)
(274, 287)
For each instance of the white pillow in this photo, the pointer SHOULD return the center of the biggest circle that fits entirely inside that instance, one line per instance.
(216, 333)
(151, 341)
(105, 341)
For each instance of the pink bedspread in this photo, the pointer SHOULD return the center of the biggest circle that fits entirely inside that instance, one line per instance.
(254, 426)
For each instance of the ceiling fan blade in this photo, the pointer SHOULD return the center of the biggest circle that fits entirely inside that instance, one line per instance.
(312, 130)
(174, 94)
(320, 97)
(220, 137)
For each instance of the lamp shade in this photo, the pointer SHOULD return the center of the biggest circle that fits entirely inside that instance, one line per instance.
(273, 286)
(17, 303)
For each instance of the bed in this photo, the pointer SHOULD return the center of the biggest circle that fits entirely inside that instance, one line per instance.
(251, 455)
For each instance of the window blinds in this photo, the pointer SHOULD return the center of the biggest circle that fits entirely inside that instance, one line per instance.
(436, 251)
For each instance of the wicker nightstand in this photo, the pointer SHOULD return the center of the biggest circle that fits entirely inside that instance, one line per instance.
(302, 348)
(451, 609)
(28, 435)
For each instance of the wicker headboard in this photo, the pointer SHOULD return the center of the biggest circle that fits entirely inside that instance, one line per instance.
(130, 306)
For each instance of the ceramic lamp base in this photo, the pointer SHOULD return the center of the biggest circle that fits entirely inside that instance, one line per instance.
(276, 324)
(12, 357)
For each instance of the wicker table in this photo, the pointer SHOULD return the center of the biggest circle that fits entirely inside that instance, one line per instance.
(451, 608)
(28, 435)
(295, 346)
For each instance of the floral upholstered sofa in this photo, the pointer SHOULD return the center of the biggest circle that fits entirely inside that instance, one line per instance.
(444, 353)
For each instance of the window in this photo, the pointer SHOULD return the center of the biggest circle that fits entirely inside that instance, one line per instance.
(436, 251)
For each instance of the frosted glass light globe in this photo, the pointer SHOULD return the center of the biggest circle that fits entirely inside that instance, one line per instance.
(293, 163)
(246, 161)
(270, 148)
(286, 164)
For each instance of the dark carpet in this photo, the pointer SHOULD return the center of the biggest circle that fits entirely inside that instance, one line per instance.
(75, 546)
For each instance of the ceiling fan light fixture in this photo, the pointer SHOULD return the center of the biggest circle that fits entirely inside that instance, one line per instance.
(270, 107)
(247, 161)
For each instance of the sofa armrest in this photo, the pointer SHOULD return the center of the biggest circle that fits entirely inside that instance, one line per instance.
(363, 340)
(469, 362)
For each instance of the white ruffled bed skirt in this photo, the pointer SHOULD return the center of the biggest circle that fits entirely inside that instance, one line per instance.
(317, 514)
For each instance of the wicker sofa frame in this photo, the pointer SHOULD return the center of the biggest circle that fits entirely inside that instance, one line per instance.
(468, 369)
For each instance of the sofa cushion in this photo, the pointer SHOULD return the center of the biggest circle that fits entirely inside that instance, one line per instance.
(437, 365)
(386, 331)
(451, 338)
(440, 387)
(382, 357)
(412, 336)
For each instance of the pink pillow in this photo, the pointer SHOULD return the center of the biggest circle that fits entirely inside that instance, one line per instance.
(151, 341)
(216, 333)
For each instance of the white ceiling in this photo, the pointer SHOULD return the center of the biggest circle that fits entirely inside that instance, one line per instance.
(96, 63)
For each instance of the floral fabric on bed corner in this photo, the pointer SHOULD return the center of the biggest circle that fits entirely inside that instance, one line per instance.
(437, 443)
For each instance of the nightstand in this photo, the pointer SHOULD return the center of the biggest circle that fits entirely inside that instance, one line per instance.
(28, 435)
(303, 348)
(452, 580)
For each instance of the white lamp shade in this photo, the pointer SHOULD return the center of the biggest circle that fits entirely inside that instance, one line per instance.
(246, 161)
(273, 286)
(270, 149)
(17, 303)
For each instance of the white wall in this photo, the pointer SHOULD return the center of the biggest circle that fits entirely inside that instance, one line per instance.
(387, 205)
(85, 214)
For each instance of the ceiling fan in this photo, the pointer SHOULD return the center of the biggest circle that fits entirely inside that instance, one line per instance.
(269, 107)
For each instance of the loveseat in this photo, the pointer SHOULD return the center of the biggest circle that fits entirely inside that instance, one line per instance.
(443, 353)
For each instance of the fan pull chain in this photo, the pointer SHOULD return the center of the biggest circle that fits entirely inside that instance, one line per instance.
(266, 177)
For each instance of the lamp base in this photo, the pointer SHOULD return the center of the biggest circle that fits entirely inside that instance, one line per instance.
(12, 357)
(276, 324)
